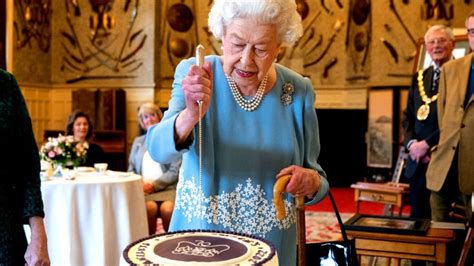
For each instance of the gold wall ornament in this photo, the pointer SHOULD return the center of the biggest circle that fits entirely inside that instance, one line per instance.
(101, 21)
(424, 110)
(358, 41)
(337, 28)
(303, 8)
(437, 9)
(102, 44)
(360, 11)
(180, 33)
(180, 17)
(33, 23)
(179, 47)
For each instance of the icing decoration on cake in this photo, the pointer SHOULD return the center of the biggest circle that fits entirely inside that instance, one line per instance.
(201, 248)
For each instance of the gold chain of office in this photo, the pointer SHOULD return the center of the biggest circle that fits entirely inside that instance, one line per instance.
(424, 109)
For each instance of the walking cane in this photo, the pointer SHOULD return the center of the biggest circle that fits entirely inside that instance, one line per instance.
(301, 230)
(278, 188)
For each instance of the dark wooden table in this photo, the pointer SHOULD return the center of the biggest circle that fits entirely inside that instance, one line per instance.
(429, 247)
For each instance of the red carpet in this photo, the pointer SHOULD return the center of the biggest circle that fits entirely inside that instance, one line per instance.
(321, 222)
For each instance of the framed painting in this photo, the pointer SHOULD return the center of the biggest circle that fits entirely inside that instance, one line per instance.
(388, 224)
(423, 59)
(380, 128)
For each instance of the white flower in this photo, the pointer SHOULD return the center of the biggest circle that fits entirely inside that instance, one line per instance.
(245, 209)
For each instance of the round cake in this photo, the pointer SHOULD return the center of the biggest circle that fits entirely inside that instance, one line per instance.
(201, 248)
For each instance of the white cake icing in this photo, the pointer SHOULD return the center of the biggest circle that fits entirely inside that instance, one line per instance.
(201, 248)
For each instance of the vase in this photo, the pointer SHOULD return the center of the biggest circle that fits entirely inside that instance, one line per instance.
(50, 170)
(59, 170)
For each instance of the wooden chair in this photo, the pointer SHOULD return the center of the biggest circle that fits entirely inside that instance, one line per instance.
(467, 248)
(391, 193)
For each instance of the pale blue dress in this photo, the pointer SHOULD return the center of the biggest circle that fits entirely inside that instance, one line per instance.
(242, 153)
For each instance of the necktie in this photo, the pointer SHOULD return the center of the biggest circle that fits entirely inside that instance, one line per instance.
(435, 82)
(470, 88)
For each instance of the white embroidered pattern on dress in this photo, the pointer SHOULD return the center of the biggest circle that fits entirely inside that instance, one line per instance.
(244, 210)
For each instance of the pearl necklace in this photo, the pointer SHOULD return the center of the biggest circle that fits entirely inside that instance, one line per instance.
(250, 104)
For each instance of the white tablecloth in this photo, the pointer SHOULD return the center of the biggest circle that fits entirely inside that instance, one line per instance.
(90, 220)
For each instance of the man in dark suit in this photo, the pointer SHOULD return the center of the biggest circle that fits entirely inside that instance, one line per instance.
(451, 170)
(420, 121)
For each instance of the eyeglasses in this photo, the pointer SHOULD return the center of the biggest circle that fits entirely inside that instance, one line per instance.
(435, 41)
(470, 32)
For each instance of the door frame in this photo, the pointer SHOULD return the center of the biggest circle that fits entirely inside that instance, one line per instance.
(3, 34)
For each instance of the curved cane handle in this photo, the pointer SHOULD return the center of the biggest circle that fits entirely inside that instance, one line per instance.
(278, 189)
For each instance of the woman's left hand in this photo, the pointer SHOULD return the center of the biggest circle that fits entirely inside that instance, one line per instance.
(303, 181)
(37, 251)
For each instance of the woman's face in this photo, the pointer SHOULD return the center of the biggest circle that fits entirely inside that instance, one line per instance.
(149, 119)
(249, 49)
(80, 128)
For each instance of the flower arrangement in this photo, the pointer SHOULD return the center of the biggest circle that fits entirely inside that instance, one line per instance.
(63, 150)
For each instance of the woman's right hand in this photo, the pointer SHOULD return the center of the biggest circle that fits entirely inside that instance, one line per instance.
(197, 86)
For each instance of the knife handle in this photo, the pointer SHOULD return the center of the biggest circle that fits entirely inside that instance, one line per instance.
(199, 55)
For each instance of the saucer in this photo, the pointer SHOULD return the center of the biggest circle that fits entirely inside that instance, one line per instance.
(85, 169)
(118, 173)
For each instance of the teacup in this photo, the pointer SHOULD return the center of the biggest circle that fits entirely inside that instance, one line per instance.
(101, 167)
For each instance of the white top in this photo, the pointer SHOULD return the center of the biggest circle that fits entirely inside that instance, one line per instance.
(151, 170)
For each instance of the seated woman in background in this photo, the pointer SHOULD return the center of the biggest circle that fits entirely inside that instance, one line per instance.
(80, 126)
(159, 180)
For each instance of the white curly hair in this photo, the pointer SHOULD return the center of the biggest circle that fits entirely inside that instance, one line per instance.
(281, 13)
(439, 27)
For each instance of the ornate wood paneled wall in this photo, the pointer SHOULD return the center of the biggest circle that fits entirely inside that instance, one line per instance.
(135, 97)
(91, 44)
(49, 108)
(344, 49)
(39, 106)
(135, 45)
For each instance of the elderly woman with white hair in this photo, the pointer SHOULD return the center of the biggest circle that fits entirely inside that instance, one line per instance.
(159, 180)
(258, 123)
